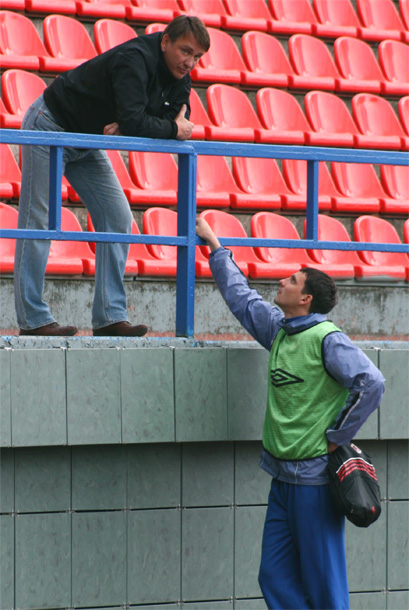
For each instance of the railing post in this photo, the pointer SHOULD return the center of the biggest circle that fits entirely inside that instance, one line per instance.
(312, 200)
(185, 278)
(54, 214)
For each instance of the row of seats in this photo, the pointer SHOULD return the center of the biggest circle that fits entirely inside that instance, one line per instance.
(72, 258)
(253, 183)
(373, 20)
(264, 62)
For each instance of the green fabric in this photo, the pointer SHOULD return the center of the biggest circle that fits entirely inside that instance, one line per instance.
(303, 399)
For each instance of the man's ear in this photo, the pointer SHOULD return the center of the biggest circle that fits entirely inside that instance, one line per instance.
(164, 42)
(306, 299)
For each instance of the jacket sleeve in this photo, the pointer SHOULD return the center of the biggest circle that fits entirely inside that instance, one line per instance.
(353, 370)
(258, 317)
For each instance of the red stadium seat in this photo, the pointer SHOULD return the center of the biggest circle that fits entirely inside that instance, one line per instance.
(266, 59)
(245, 15)
(152, 10)
(295, 174)
(131, 191)
(330, 118)
(360, 186)
(215, 183)
(65, 7)
(357, 63)
(226, 225)
(20, 43)
(67, 41)
(380, 265)
(262, 183)
(156, 174)
(404, 12)
(198, 116)
(337, 263)
(395, 181)
(394, 61)
(232, 113)
(277, 263)
(132, 267)
(113, 9)
(8, 120)
(291, 17)
(406, 231)
(403, 108)
(20, 89)
(155, 27)
(381, 20)
(281, 114)
(13, 5)
(10, 174)
(335, 18)
(209, 11)
(376, 118)
(8, 220)
(222, 62)
(70, 257)
(108, 33)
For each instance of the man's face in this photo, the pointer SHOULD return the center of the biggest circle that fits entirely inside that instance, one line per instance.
(182, 55)
(290, 297)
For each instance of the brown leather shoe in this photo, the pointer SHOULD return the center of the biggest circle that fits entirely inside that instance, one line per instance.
(51, 330)
(121, 329)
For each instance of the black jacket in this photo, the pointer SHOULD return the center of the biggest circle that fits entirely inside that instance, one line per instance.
(129, 84)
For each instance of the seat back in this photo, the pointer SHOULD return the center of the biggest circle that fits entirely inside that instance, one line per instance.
(152, 28)
(109, 33)
(230, 107)
(356, 60)
(244, 8)
(340, 12)
(20, 89)
(395, 181)
(8, 220)
(158, 4)
(332, 229)
(295, 174)
(120, 169)
(198, 114)
(226, 225)
(406, 231)
(153, 171)
(264, 53)
(278, 109)
(394, 60)
(310, 56)
(403, 107)
(223, 53)
(9, 170)
(288, 10)
(356, 180)
(328, 112)
(257, 175)
(161, 221)
(404, 12)
(65, 37)
(373, 229)
(379, 14)
(208, 7)
(375, 115)
(70, 249)
(18, 35)
(267, 225)
(214, 175)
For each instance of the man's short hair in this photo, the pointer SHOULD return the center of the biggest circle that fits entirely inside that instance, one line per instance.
(322, 288)
(185, 24)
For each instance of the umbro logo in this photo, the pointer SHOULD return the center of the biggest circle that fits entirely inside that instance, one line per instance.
(280, 378)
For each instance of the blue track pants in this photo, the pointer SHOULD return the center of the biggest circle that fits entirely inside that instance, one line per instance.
(303, 552)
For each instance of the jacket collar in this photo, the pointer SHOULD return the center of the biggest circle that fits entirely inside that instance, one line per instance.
(296, 325)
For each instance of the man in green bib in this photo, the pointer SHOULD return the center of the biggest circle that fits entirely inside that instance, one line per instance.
(321, 389)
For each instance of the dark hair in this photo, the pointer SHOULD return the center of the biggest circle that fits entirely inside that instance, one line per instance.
(322, 288)
(185, 24)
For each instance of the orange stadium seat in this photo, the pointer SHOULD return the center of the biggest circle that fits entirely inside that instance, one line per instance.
(295, 174)
(153, 10)
(222, 63)
(403, 108)
(335, 18)
(376, 119)
(209, 11)
(245, 15)
(20, 43)
(266, 61)
(404, 12)
(232, 114)
(8, 220)
(358, 64)
(215, 183)
(379, 265)
(113, 9)
(156, 174)
(67, 41)
(290, 17)
(65, 7)
(108, 33)
(337, 263)
(261, 181)
(395, 181)
(381, 20)
(281, 114)
(20, 89)
(330, 118)
(198, 116)
(10, 174)
(155, 27)
(360, 186)
(70, 257)
(226, 225)
(394, 61)
(276, 263)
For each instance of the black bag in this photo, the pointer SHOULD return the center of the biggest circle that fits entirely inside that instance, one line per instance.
(353, 485)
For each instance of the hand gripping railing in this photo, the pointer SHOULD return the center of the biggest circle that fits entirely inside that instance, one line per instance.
(186, 239)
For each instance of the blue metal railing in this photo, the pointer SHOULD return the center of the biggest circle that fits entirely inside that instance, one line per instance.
(186, 239)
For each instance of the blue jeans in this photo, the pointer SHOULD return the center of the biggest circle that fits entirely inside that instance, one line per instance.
(91, 174)
(303, 563)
